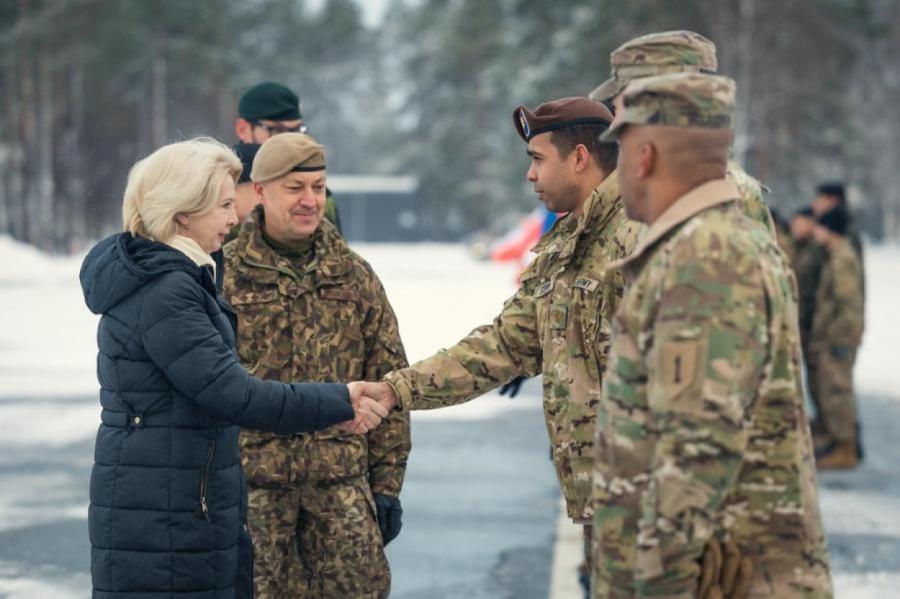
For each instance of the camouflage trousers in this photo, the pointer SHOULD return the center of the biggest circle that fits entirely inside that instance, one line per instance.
(317, 541)
(830, 373)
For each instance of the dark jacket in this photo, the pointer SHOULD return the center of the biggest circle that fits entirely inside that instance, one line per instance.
(167, 499)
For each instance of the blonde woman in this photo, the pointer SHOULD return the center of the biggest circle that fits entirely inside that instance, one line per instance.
(167, 499)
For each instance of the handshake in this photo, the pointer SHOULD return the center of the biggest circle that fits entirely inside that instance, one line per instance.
(372, 402)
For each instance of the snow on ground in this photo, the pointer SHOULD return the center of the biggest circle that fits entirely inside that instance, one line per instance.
(877, 365)
(48, 353)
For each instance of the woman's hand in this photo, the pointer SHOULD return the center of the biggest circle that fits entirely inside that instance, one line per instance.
(369, 412)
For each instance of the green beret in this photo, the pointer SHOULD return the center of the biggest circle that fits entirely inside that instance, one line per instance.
(285, 153)
(677, 100)
(566, 112)
(271, 101)
(657, 54)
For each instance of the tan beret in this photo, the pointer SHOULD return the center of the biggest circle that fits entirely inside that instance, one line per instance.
(657, 54)
(285, 153)
(676, 100)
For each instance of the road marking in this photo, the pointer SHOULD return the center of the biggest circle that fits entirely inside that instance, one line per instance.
(568, 552)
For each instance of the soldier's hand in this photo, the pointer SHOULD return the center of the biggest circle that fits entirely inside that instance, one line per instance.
(380, 392)
(513, 386)
(389, 516)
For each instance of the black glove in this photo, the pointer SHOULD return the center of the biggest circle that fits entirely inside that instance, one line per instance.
(513, 386)
(390, 516)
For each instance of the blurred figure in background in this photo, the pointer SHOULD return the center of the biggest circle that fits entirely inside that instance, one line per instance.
(783, 234)
(835, 336)
(245, 199)
(807, 260)
(267, 109)
(833, 195)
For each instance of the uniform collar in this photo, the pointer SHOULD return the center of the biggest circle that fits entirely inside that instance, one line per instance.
(709, 194)
(598, 208)
(332, 254)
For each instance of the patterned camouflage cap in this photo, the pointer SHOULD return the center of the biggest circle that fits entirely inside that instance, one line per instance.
(287, 152)
(676, 100)
(657, 54)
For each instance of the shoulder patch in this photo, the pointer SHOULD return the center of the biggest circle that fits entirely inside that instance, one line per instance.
(678, 365)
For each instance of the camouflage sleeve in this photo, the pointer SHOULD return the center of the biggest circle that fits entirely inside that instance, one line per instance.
(846, 327)
(488, 357)
(390, 443)
(702, 368)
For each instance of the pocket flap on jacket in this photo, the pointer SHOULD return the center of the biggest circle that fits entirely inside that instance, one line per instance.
(245, 298)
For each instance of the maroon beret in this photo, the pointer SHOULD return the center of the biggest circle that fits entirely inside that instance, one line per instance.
(557, 114)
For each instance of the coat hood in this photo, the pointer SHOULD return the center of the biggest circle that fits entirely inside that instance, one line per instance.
(121, 264)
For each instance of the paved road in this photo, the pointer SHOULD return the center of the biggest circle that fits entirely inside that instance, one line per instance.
(480, 507)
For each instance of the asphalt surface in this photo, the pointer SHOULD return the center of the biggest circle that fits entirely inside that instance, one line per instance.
(480, 504)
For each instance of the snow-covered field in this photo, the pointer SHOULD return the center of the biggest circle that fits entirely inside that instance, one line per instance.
(48, 352)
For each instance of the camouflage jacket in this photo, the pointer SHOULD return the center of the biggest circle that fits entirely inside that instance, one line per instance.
(751, 202)
(328, 320)
(809, 257)
(701, 431)
(838, 320)
(558, 324)
(331, 211)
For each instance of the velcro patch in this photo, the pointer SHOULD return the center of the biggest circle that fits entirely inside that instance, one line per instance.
(337, 293)
(559, 315)
(679, 365)
(586, 283)
(543, 289)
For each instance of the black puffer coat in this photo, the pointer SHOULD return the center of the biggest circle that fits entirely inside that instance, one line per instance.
(167, 493)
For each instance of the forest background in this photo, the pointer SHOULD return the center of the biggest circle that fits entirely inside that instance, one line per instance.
(426, 89)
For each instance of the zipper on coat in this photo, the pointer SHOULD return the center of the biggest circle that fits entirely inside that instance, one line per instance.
(204, 478)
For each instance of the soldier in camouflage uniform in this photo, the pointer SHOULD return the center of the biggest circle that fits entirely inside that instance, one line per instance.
(833, 195)
(321, 505)
(702, 438)
(835, 335)
(807, 260)
(676, 52)
(267, 109)
(558, 322)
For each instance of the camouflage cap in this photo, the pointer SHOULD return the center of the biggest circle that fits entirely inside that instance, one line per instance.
(657, 54)
(285, 153)
(675, 100)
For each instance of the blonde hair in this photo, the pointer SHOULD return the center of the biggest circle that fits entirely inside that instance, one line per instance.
(180, 178)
